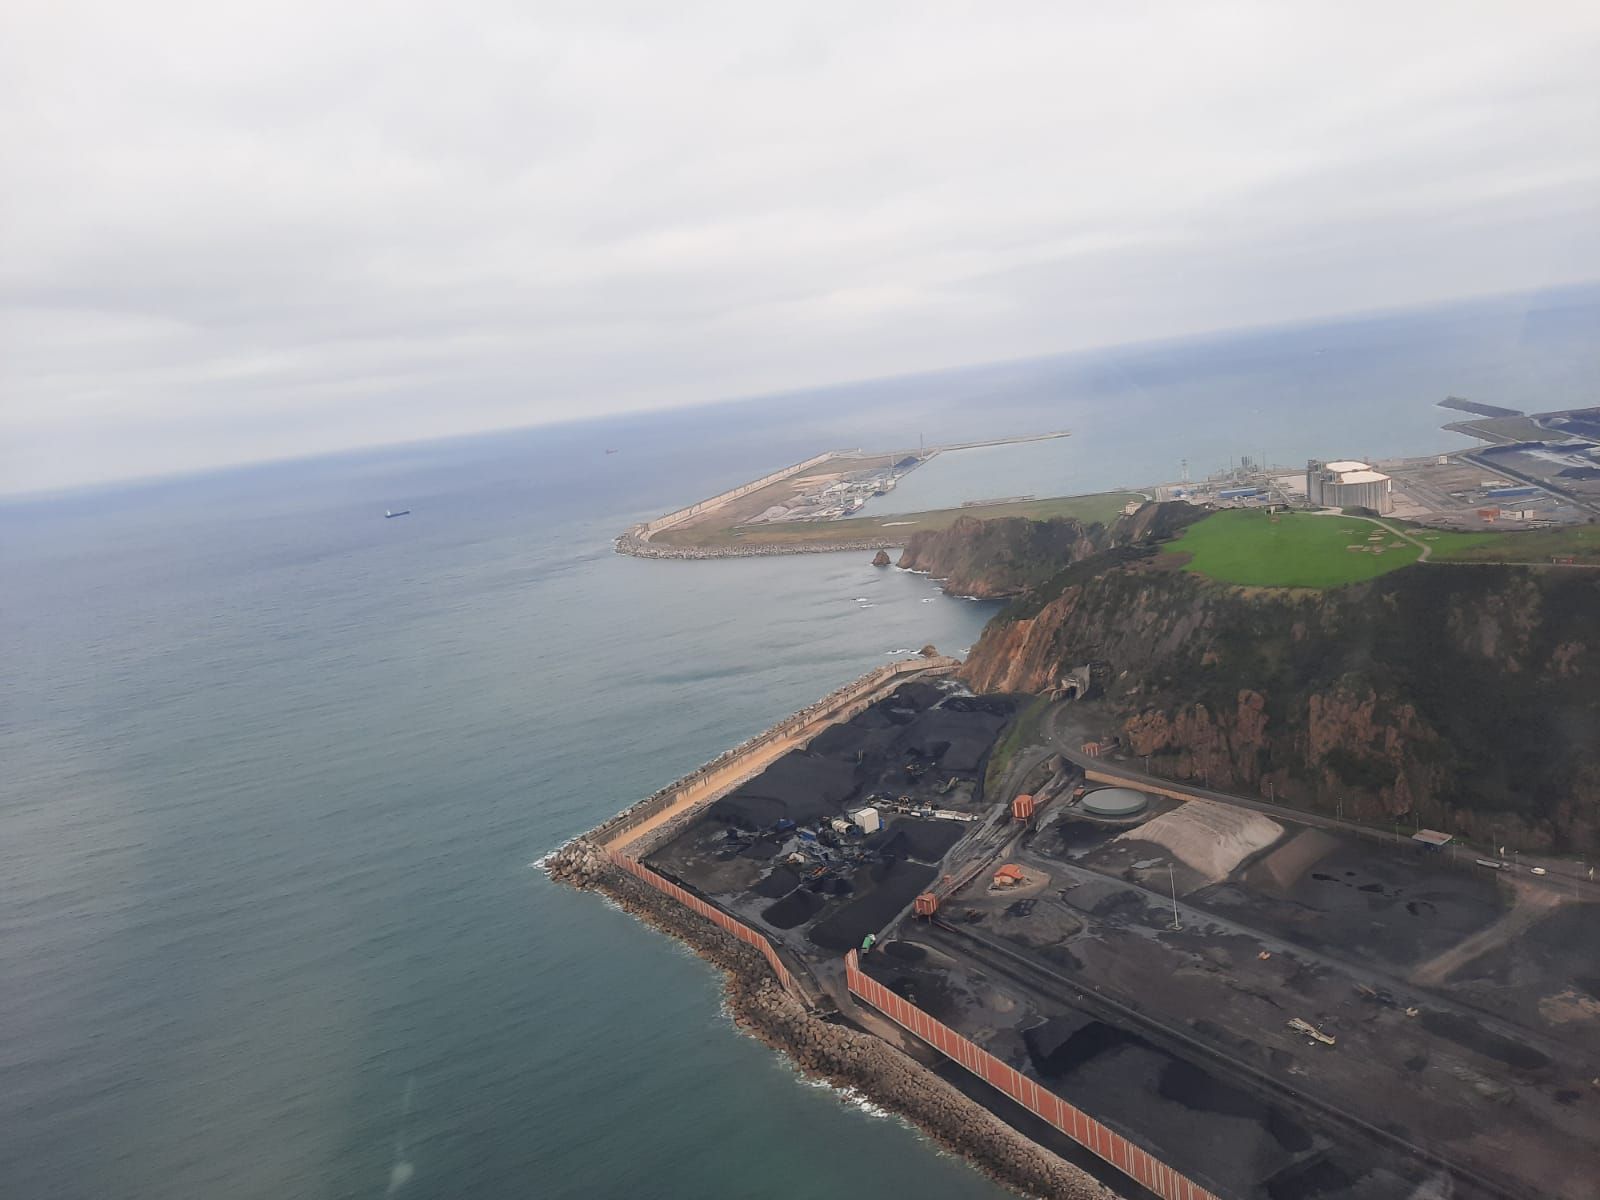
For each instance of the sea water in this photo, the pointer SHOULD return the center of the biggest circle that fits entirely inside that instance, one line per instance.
(275, 770)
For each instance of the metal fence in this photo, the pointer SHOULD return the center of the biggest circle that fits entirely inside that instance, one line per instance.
(710, 912)
(1137, 1164)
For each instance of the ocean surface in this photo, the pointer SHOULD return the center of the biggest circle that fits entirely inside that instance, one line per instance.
(274, 770)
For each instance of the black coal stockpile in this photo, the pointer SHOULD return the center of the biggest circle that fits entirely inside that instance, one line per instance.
(913, 837)
(916, 696)
(871, 912)
(956, 740)
(919, 724)
(857, 740)
(1062, 1044)
(798, 907)
(996, 706)
(781, 882)
(799, 786)
(1200, 1090)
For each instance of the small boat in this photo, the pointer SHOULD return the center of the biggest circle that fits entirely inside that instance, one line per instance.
(404, 512)
(610, 451)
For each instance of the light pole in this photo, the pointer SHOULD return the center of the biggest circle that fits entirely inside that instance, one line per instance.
(1173, 883)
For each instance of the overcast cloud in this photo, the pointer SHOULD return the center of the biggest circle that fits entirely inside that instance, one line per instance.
(242, 231)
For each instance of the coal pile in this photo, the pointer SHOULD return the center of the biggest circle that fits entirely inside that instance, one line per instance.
(928, 990)
(957, 741)
(800, 786)
(916, 697)
(913, 837)
(856, 740)
(995, 706)
(1199, 1090)
(905, 951)
(781, 882)
(798, 907)
(869, 913)
(1063, 1044)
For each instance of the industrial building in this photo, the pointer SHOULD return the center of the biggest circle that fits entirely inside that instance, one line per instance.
(1348, 484)
(1117, 803)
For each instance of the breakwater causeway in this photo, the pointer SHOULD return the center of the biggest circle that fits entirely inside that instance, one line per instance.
(850, 1031)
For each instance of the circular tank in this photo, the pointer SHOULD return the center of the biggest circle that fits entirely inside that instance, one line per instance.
(1115, 802)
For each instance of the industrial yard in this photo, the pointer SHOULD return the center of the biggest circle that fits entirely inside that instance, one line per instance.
(1276, 1007)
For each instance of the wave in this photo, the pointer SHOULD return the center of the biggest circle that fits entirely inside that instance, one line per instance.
(848, 1096)
(542, 863)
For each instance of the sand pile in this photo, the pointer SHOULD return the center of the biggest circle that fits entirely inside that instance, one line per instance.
(1207, 837)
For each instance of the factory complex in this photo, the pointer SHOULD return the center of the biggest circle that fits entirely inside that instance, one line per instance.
(1192, 996)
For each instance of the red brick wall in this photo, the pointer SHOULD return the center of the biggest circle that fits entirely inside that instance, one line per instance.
(1115, 1149)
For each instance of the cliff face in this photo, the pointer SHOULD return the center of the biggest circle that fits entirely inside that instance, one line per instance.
(1467, 697)
(1004, 556)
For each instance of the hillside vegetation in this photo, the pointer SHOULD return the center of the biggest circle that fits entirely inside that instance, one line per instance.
(1466, 698)
(1582, 542)
(1005, 556)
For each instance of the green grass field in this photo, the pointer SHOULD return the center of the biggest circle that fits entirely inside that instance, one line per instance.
(1529, 546)
(1303, 550)
(1100, 507)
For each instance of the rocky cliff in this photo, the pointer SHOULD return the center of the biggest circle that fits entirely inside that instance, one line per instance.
(1004, 556)
(1464, 698)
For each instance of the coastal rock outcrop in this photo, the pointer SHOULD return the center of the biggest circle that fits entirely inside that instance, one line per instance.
(1004, 556)
(1466, 698)
(881, 559)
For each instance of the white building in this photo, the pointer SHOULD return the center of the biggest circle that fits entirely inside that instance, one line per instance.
(1348, 484)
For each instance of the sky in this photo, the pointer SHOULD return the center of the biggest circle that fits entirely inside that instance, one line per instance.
(241, 231)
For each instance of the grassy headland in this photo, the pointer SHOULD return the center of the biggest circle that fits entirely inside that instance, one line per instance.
(1301, 550)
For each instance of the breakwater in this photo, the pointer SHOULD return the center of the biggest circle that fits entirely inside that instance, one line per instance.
(662, 814)
(775, 995)
(636, 539)
(639, 547)
(844, 1056)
